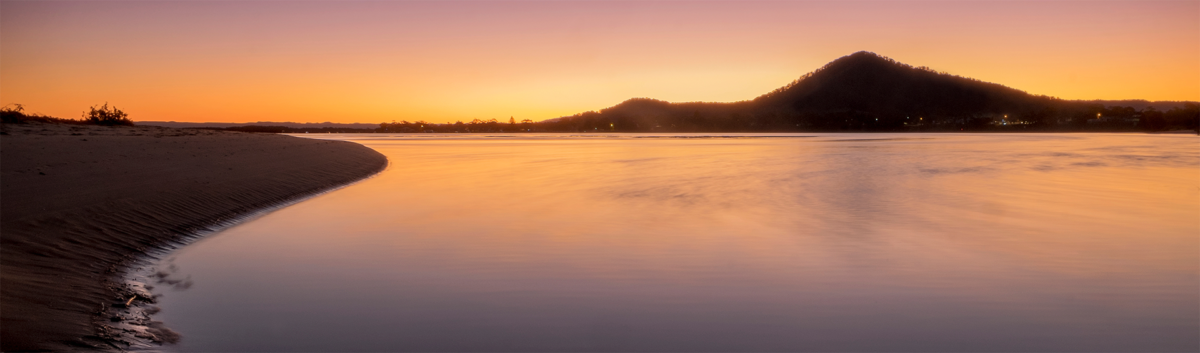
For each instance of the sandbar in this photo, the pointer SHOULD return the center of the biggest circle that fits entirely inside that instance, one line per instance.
(80, 203)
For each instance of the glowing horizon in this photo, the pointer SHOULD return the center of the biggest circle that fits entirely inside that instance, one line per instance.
(447, 61)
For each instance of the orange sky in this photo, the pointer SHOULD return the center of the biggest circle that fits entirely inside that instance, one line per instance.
(373, 61)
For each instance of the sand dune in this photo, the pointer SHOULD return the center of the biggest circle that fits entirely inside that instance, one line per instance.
(79, 203)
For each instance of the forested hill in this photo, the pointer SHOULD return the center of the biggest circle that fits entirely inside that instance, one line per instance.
(868, 92)
(883, 88)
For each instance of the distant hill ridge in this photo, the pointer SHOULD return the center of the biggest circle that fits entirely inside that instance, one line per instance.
(867, 82)
(865, 91)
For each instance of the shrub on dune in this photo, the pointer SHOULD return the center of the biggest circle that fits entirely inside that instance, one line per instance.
(107, 116)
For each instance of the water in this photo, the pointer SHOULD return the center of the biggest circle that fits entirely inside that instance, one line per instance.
(825, 242)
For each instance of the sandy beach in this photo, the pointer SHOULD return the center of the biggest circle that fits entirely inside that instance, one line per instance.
(80, 203)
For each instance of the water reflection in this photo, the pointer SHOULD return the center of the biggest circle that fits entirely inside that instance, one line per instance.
(934, 242)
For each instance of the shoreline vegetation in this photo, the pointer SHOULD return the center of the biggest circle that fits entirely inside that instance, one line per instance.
(82, 202)
(1095, 116)
(96, 115)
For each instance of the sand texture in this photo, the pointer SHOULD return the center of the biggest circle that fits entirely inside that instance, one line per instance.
(80, 203)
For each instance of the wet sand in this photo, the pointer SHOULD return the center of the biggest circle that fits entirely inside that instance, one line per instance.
(80, 203)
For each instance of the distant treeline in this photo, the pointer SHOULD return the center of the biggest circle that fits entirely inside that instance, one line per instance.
(476, 125)
(707, 117)
(294, 125)
(287, 130)
(657, 116)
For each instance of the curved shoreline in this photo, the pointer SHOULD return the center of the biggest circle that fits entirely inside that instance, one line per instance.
(82, 204)
(137, 329)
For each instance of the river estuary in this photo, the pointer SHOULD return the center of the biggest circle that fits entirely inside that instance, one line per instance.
(717, 242)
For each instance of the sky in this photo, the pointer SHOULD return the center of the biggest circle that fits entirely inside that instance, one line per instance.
(444, 61)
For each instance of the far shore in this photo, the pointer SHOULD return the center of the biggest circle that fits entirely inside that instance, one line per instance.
(81, 203)
(493, 127)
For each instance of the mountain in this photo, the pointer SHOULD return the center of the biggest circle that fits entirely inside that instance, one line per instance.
(868, 92)
(869, 83)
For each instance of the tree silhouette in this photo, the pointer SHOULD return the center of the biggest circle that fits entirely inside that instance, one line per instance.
(107, 116)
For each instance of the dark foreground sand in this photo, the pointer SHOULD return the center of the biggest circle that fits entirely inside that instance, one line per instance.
(79, 203)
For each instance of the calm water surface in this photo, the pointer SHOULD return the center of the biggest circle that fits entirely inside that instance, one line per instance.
(827, 242)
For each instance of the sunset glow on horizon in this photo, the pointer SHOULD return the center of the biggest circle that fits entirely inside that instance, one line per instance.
(375, 61)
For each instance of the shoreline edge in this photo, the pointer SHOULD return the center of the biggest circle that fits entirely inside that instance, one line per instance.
(82, 204)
